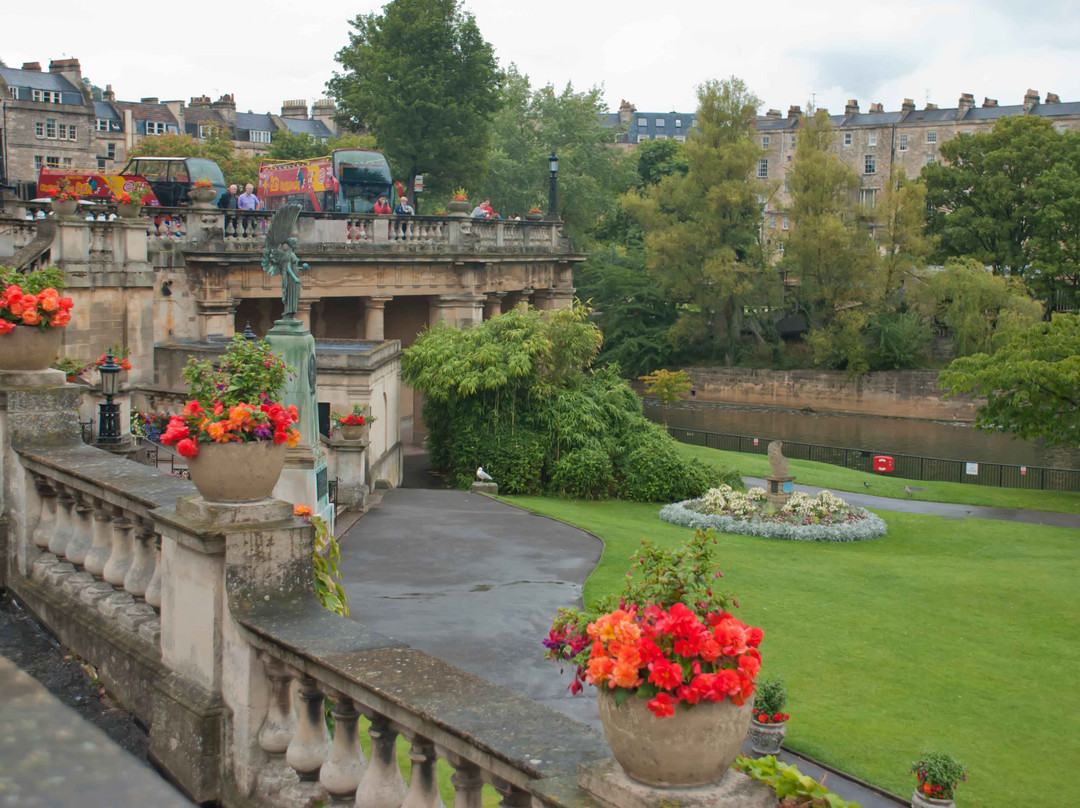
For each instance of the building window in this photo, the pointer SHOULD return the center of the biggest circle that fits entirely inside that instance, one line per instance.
(870, 164)
(847, 139)
(1063, 127)
(794, 141)
(678, 122)
(642, 121)
(155, 128)
(660, 122)
(681, 138)
(73, 132)
(661, 137)
(61, 131)
(931, 136)
(14, 92)
(39, 129)
(871, 139)
(50, 128)
(52, 162)
(110, 150)
(205, 131)
(45, 96)
(67, 162)
(693, 122)
(867, 196)
(762, 168)
(785, 225)
(903, 141)
(930, 159)
(772, 220)
(38, 160)
(764, 141)
(642, 138)
(258, 136)
(102, 125)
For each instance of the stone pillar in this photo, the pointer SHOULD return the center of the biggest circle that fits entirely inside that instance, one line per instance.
(459, 311)
(303, 310)
(348, 462)
(217, 318)
(551, 299)
(493, 304)
(374, 317)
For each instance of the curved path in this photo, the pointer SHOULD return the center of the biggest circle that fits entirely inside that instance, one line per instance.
(949, 510)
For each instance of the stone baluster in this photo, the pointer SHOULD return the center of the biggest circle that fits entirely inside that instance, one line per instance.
(82, 532)
(65, 515)
(382, 783)
(153, 589)
(468, 784)
(143, 561)
(279, 725)
(512, 797)
(344, 766)
(46, 526)
(423, 781)
(123, 554)
(101, 548)
(308, 747)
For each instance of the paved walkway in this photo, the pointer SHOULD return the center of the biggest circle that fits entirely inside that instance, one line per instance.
(475, 582)
(947, 510)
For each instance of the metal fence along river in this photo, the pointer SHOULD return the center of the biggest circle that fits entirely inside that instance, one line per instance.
(912, 467)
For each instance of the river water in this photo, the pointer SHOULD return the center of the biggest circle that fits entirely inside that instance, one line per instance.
(943, 439)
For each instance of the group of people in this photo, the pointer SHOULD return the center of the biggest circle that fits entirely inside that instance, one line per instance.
(403, 208)
(231, 200)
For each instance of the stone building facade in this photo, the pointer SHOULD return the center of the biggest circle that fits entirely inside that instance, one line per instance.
(637, 127)
(874, 142)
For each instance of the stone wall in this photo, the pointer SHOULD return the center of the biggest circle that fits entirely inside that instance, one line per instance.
(902, 393)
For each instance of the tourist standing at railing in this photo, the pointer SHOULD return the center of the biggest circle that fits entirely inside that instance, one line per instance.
(230, 201)
(382, 206)
(403, 207)
(248, 201)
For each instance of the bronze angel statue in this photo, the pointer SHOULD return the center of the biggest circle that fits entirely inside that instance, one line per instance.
(279, 257)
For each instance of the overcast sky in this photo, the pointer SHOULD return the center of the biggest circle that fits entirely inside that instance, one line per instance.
(651, 53)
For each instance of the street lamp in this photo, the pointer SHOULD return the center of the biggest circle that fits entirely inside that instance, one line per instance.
(553, 165)
(109, 413)
(248, 334)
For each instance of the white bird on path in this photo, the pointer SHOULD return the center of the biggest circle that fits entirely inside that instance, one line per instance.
(483, 476)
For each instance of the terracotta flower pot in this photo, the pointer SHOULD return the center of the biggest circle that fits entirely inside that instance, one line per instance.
(766, 739)
(29, 347)
(237, 472)
(919, 800)
(694, 747)
(65, 207)
(129, 211)
(354, 431)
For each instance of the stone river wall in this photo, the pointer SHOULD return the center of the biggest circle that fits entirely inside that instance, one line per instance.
(899, 393)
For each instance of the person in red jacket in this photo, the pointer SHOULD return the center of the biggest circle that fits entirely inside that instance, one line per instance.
(382, 206)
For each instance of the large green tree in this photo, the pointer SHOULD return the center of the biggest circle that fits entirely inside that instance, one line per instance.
(1031, 386)
(424, 80)
(901, 233)
(702, 227)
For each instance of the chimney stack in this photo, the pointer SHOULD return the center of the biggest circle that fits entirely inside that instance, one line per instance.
(108, 95)
(931, 106)
(851, 108)
(967, 101)
(908, 106)
(69, 69)
(876, 109)
(1052, 98)
(324, 110)
(794, 112)
(989, 102)
(148, 100)
(626, 111)
(33, 67)
(294, 109)
(1031, 99)
(773, 115)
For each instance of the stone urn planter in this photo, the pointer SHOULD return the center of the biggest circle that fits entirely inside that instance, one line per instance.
(65, 207)
(237, 472)
(694, 747)
(129, 211)
(459, 207)
(534, 217)
(202, 196)
(354, 431)
(766, 739)
(922, 801)
(30, 348)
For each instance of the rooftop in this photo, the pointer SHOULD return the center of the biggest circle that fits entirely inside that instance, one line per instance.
(37, 80)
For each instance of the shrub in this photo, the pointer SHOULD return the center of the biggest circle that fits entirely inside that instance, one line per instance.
(650, 469)
(770, 696)
(938, 775)
(583, 474)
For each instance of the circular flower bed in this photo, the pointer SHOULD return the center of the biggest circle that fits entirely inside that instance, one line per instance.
(825, 517)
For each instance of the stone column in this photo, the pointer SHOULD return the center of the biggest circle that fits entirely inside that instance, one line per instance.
(493, 304)
(303, 310)
(216, 318)
(374, 317)
(459, 311)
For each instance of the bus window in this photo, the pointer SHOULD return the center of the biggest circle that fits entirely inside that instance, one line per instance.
(155, 170)
(179, 173)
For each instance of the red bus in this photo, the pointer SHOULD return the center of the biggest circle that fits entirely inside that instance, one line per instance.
(167, 179)
(344, 181)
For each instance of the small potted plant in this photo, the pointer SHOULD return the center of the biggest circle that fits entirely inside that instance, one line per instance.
(234, 431)
(354, 424)
(536, 212)
(440, 209)
(73, 368)
(767, 724)
(129, 203)
(937, 775)
(32, 312)
(202, 192)
(459, 202)
(675, 670)
(64, 200)
(120, 356)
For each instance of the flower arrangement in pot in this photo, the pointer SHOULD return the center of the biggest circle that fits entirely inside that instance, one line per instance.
(64, 200)
(937, 775)
(32, 312)
(120, 356)
(129, 203)
(202, 191)
(354, 424)
(459, 201)
(767, 725)
(675, 670)
(234, 431)
(73, 369)
(536, 212)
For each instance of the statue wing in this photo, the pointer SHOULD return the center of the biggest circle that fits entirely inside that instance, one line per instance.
(281, 226)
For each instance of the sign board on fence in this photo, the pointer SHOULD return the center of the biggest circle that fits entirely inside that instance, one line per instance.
(1023, 471)
(972, 469)
(755, 441)
(418, 183)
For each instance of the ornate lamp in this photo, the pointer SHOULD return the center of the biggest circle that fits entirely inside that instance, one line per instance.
(248, 334)
(109, 413)
(553, 166)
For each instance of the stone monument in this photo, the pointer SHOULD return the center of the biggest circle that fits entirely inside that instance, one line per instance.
(305, 478)
(780, 482)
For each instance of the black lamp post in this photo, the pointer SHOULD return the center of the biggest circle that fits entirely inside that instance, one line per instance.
(553, 190)
(248, 334)
(109, 413)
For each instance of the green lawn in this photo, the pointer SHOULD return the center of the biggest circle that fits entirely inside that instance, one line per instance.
(954, 635)
(838, 478)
